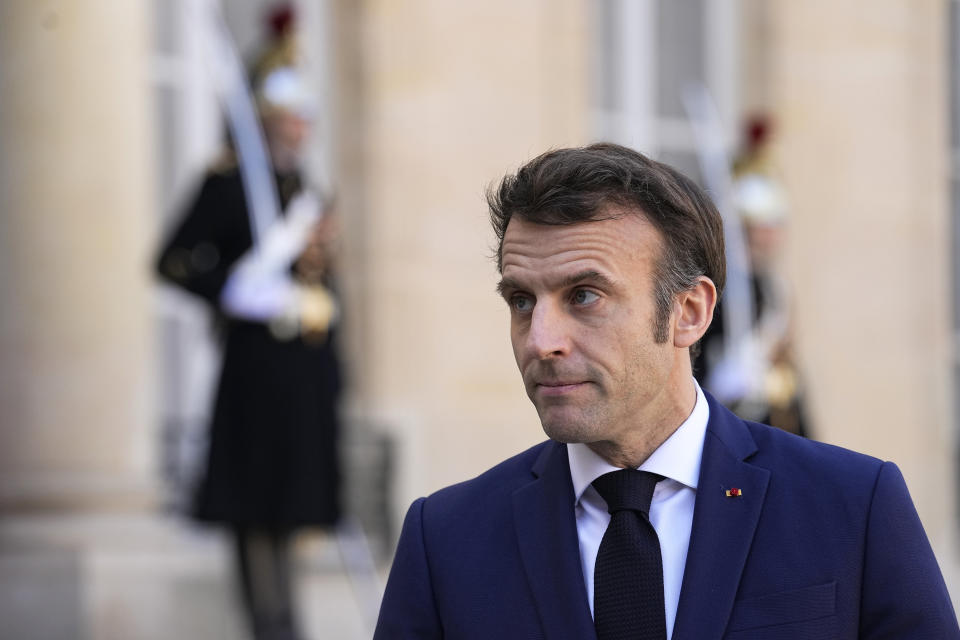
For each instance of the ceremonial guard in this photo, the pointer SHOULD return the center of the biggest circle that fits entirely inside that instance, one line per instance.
(272, 465)
(757, 376)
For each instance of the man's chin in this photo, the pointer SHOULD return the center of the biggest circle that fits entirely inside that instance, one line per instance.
(566, 432)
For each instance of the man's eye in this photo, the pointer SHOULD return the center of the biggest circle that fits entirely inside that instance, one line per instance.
(521, 304)
(584, 296)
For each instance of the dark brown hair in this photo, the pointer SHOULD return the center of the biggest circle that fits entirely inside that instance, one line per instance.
(566, 186)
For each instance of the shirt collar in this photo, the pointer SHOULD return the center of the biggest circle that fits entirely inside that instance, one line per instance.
(678, 458)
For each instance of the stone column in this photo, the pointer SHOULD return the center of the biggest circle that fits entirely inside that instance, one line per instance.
(76, 362)
(75, 332)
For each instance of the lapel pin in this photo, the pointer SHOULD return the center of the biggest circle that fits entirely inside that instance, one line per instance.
(734, 493)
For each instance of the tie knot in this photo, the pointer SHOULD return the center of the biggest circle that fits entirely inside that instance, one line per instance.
(627, 489)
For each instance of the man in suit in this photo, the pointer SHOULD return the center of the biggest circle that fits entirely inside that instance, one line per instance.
(611, 267)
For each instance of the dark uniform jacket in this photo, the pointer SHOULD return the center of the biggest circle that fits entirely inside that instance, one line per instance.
(272, 456)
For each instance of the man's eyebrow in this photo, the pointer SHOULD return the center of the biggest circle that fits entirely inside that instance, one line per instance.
(506, 283)
(587, 276)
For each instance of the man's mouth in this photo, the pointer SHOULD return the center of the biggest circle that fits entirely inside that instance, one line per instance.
(559, 388)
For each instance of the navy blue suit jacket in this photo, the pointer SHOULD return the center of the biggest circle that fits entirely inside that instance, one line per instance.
(823, 543)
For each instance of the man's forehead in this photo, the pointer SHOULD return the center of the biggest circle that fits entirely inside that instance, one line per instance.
(609, 247)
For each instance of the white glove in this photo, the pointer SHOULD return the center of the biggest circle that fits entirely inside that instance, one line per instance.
(260, 287)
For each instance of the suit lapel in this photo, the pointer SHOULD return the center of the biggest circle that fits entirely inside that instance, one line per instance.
(547, 538)
(723, 527)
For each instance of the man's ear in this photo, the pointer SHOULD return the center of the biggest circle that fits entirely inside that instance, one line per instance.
(693, 312)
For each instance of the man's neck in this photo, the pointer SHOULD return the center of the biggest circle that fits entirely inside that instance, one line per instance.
(632, 451)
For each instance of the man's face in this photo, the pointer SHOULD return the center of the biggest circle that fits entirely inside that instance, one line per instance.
(581, 322)
(286, 130)
(764, 242)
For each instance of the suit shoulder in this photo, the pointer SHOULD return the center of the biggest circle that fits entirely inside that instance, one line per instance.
(812, 462)
(771, 438)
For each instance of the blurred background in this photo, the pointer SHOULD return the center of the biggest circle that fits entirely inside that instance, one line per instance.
(109, 119)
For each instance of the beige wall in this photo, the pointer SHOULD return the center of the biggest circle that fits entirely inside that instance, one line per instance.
(861, 100)
(453, 96)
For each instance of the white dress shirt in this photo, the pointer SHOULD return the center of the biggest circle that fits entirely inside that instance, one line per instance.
(671, 511)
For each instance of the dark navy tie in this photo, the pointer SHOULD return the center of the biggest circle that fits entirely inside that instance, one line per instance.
(628, 577)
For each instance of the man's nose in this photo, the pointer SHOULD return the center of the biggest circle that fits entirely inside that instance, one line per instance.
(548, 336)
